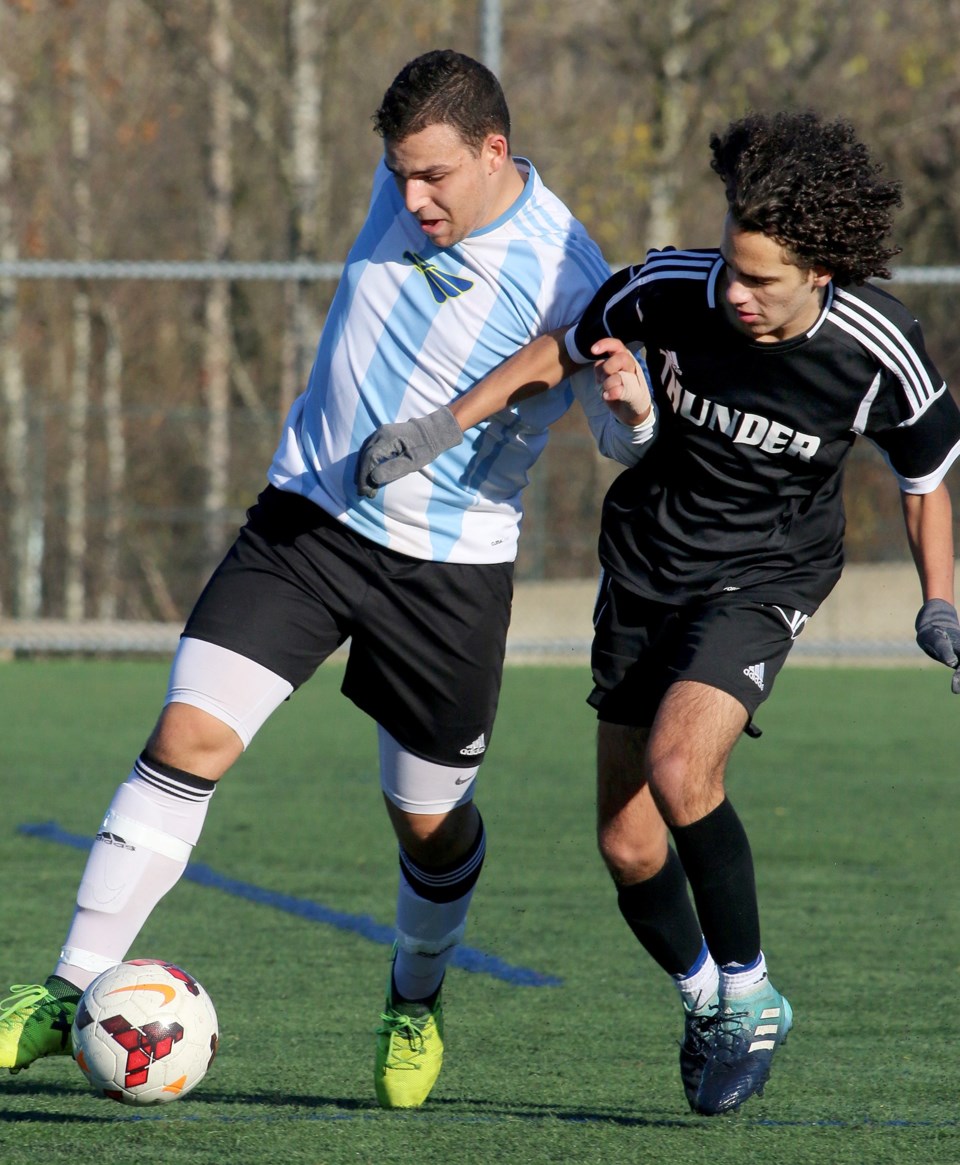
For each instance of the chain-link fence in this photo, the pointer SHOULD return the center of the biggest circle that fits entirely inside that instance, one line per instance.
(126, 475)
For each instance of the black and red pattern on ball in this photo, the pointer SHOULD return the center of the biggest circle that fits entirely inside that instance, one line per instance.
(172, 970)
(143, 1045)
(83, 1016)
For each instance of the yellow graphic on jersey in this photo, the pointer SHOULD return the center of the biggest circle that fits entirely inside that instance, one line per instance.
(442, 286)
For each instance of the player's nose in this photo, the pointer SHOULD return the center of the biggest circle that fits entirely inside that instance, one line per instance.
(415, 195)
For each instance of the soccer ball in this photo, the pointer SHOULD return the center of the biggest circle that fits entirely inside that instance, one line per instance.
(145, 1032)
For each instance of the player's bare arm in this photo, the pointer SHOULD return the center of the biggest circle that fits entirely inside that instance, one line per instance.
(929, 521)
(393, 451)
(536, 367)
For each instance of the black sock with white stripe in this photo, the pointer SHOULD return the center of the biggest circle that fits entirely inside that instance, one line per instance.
(432, 906)
(175, 783)
(447, 883)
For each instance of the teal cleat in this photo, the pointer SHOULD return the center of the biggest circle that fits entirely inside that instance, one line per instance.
(746, 1036)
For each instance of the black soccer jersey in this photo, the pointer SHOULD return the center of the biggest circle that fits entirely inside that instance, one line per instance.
(742, 487)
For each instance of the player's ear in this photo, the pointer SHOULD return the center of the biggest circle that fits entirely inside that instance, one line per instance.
(821, 276)
(496, 149)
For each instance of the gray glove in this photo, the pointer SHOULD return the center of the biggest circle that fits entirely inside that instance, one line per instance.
(393, 451)
(938, 633)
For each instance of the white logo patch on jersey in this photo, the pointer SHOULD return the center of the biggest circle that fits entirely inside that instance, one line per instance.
(755, 672)
(476, 748)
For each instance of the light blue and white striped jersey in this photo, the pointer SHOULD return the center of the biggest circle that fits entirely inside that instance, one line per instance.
(413, 326)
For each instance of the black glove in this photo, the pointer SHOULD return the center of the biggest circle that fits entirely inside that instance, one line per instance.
(393, 451)
(938, 633)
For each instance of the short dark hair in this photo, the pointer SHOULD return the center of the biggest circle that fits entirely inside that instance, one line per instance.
(444, 87)
(813, 187)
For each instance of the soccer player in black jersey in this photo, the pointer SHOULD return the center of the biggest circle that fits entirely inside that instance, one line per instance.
(768, 356)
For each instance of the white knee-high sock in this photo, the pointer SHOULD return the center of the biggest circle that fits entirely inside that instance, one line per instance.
(139, 853)
(427, 935)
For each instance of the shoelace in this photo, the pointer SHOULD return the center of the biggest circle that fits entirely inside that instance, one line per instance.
(699, 1032)
(409, 1028)
(20, 994)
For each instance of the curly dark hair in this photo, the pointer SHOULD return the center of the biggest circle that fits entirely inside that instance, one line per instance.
(444, 87)
(813, 187)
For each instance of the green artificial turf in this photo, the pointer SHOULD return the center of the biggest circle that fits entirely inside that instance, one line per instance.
(850, 800)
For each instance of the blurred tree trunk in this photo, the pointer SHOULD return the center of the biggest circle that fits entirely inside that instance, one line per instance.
(217, 346)
(116, 467)
(672, 122)
(307, 20)
(21, 486)
(79, 400)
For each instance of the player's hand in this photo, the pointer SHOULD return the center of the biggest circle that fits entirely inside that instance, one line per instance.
(393, 451)
(938, 633)
(622, 382)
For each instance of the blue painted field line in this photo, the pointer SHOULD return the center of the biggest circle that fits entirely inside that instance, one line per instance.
(466, 958)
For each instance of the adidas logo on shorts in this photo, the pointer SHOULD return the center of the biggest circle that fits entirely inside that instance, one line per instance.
(755, 673)
(475, 749)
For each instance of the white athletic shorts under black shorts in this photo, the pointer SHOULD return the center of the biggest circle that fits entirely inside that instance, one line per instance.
(641, 647)
(427, 639)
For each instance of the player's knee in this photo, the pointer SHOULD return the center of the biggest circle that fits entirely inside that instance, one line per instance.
(195, 741)
(630, 857)
(437, 839)
(683, 789)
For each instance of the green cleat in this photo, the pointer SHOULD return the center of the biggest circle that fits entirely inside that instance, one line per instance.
(33, 1024)
(409, 1053)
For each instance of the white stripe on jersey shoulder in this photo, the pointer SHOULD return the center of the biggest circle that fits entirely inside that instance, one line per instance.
(825, 311)
(680, 264)
(863, 412)
(881, 337)
(660, 265)
(705, 255)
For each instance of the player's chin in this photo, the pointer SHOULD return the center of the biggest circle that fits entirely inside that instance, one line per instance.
(442, 235)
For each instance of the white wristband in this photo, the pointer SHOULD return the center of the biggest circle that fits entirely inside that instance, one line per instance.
(648, 421)
(642, 433)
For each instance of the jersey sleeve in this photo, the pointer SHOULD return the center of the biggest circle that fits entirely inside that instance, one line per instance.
(913, 420)
(615, 310)
(922, 451)
(571, 279)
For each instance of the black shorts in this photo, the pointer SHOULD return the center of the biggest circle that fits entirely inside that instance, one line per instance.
(427, 639)
(641, 647)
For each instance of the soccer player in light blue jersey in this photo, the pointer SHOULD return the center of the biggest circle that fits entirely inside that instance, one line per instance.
(465, 257)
